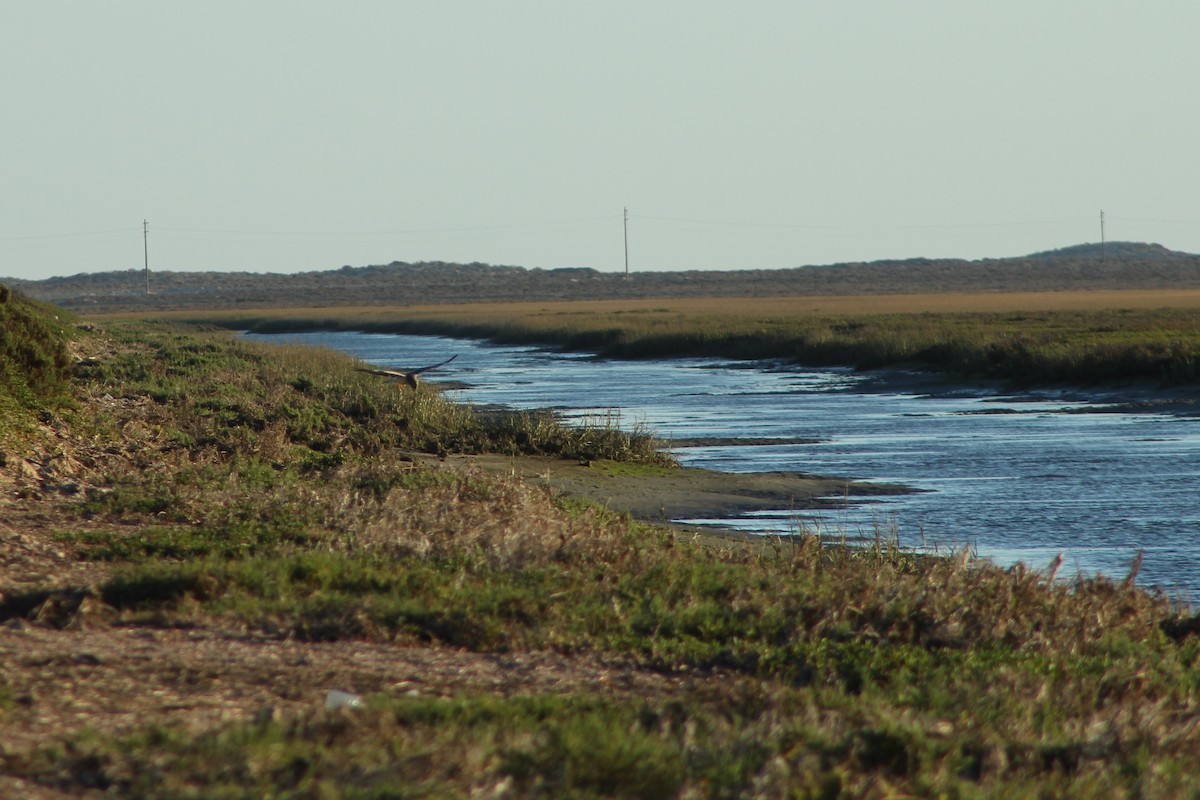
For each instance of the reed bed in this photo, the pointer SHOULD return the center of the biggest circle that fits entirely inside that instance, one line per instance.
(1078, 338)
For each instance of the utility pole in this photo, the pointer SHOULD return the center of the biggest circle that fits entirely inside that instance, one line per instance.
(1102, 244)
(626, 210)
(146, 252)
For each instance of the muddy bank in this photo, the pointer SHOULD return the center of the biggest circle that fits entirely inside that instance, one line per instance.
(660, 495)
(1129, 398)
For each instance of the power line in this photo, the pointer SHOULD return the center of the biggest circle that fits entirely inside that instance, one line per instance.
(66, 235)
(393, 231)
(1162, 221)
(859, 226)
(854, 226)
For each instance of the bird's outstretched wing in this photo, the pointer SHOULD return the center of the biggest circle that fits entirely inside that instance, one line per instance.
(406, 374)
(419, 370)
(387, 373)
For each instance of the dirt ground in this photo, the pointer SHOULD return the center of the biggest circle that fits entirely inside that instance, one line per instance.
(116, 679)
(68, 667)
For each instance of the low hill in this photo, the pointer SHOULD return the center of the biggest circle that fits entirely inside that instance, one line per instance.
(1118, 251)
(1114, 265)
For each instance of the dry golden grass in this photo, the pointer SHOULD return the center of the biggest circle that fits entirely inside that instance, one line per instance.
(983, 302)
(1081, 338)
(504, 522)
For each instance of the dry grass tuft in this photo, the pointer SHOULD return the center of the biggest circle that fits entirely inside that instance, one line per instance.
(502, 521)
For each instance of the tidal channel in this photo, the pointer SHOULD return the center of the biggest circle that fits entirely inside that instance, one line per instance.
(1020, 477)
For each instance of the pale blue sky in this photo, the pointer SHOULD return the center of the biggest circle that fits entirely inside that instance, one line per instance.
(299, 135)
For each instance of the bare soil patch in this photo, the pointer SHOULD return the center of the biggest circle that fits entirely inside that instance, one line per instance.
(116, 679)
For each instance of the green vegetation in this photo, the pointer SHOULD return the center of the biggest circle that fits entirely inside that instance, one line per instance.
(749, 743)
(1085, 346)
(236, 487)
(833, 673)
(34, 362)
(308, 410)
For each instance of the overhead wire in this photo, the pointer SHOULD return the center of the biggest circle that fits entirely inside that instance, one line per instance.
(580, 222)
(389, 232)
(857, 225)
(67, 235)
(650, 223)
(860, 226)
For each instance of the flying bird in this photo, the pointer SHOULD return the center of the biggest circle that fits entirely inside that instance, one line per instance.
(409, 376)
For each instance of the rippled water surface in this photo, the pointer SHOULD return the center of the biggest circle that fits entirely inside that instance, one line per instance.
(1017, 478)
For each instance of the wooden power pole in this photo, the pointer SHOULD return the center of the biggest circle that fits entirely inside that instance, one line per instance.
(626, 210)
(146, 252)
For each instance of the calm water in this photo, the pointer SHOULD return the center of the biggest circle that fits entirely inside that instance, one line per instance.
(1016, 478)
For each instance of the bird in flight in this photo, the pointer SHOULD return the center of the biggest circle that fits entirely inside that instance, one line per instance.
(409, 376)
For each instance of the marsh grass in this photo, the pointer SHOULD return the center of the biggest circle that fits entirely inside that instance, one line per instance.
(241, 399)
(1078, 338)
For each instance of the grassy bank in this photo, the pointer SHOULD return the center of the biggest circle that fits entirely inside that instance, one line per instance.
(1086, 339)
(264, 493)
(35, 363)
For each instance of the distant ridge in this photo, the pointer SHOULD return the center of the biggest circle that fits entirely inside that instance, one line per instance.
(1121, 250)
(1081, 267)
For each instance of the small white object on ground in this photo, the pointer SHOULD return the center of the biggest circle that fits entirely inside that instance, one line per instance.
(339, 699)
